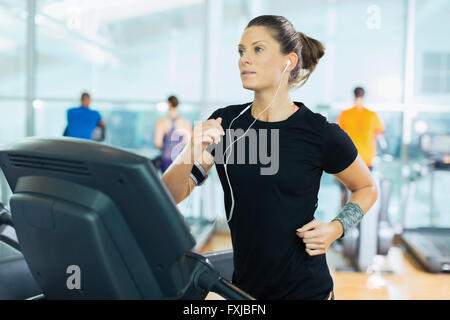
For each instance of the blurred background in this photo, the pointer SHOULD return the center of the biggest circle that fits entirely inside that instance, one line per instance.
(130, 55)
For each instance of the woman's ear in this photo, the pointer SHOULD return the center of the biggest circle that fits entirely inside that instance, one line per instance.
(293, 58)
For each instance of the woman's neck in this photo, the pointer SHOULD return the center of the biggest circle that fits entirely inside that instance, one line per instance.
(282, 106)
(173, 113)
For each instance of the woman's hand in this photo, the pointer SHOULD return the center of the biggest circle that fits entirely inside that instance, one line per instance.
(204, 134)
(318, 236)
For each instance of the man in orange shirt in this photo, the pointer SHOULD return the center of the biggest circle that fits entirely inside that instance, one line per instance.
(363, 126)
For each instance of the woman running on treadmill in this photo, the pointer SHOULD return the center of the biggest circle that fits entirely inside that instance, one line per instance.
(278, 247)
(171, 133)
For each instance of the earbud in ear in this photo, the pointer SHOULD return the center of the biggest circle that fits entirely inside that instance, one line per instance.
(288, 63)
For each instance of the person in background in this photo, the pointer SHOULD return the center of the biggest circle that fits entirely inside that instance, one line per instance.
(170, 132)
(82, 120)
(364, 127)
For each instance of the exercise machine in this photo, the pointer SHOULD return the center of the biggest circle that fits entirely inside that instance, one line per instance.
(96, 222)
(16, 281)
(429, 245)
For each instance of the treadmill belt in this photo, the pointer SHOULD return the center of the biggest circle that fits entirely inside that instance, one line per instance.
(431, 246)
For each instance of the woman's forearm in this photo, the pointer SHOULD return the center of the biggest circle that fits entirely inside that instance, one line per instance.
(360, 201)
(360, 182)
(364, 197)
(176, 177)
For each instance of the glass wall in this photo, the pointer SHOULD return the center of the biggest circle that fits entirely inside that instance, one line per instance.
(138, 50)
(12, 70)
(131, 54)
(432, 52)
(425, 183)
(12, 48)
(352, 32)
(426, 178)
(13, 22)
(12, 124)
(130, 125)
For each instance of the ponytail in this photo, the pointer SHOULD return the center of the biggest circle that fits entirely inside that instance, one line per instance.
(311, 52)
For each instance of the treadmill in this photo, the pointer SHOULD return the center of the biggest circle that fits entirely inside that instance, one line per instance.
(431, 245)
(96, 222)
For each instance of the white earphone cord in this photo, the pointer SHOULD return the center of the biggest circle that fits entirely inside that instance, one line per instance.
(226, 159)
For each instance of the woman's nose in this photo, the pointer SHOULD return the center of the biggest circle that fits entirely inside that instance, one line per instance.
(245, 60)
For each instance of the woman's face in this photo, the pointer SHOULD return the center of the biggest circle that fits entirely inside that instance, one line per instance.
(260, 63)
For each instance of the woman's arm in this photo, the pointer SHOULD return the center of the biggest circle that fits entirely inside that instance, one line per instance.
(358, 179)
(177, 177)
(318, 236)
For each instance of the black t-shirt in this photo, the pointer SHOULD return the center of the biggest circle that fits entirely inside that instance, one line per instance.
(270, 261)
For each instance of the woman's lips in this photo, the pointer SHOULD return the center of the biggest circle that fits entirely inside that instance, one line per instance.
(247, 73)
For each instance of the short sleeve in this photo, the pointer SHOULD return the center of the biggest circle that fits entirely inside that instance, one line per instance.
(339, 151)
(379, 126)
(212, 146)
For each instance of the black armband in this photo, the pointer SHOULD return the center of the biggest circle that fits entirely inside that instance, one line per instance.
(198, 174)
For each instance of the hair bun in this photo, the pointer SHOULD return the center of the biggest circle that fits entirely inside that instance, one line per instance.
(312, 51)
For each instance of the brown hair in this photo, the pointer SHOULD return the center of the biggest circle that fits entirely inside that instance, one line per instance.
(359, 92)
(308, 50)
(173, 101)
(84, 95)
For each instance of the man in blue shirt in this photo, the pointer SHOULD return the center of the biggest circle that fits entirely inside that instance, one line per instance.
(82, 121)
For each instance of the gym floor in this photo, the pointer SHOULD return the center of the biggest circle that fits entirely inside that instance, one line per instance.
(409, 280)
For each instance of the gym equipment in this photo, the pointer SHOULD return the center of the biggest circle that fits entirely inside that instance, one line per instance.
(373, 236)
(86, 211)
(16, 281)
(5, 222)
(99, 134)
(223, 261)
(429, 245)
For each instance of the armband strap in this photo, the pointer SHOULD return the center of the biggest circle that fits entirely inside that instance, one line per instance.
(350, 215)
(198, 174)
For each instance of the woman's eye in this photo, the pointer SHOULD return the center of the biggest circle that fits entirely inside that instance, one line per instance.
(257, 49)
